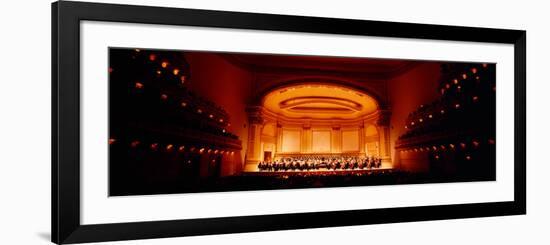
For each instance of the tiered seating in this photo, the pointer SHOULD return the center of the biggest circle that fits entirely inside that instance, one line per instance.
(458, 127)
(149, 92)
(468, 95)
(156, 120)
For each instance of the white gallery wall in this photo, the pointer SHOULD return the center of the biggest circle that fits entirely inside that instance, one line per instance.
(25, 122)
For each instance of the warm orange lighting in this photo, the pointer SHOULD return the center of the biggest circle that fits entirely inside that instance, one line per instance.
(468, 157)
(181, 148)
(221, 120)
(163, 97)
(176, 71)
(475, 143)
(464, 76)
(442, 111)
(199, 111)
(412, 123)
(434, 147)
(455, 81)
(201, 150)
(112, 141)
(452, 146)
(216, 152)
(475, 98)
(477, 77)
(457, 106)
(415, 149)
(159, 72)
(211, 116)
(474, 70)
(421, 106)
(232, 153)
(437, 157)
(183, 104)
(430, 116)
(134, 143)
(183, 79)
(462, 145)
(154, 146)
(406, 127)
(209, 150)
(164, 64)
(229, 125)
(139, 85)
(152, 57)
(223, 131)
(169, 147)
(420, 120)
(137, 50)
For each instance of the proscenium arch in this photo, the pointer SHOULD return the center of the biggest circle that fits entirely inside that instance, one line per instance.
(259, 96)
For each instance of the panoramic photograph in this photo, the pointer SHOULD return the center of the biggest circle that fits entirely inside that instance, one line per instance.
(201, 121)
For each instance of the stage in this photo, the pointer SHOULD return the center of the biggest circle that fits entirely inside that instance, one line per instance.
(319, 172)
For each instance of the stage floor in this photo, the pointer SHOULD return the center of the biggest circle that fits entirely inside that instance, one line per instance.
(322, 172)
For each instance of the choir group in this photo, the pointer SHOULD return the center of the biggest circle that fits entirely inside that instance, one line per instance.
(320, 163)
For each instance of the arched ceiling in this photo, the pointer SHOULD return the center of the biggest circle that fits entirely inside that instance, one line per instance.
(279, 63)
(319, 101)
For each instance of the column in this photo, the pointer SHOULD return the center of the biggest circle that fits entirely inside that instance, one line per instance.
(336, 138)
(306, 139)
(255, 125)
(279, 136)
(362, 139)
(383, 126)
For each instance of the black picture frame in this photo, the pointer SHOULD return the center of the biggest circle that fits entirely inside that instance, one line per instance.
(66, 17)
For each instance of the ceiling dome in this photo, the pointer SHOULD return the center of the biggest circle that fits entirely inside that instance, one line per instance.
(319, 101)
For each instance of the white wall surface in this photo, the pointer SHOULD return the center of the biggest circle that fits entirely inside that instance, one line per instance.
(25, 122)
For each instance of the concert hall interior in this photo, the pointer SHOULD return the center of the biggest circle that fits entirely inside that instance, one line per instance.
(194, 121)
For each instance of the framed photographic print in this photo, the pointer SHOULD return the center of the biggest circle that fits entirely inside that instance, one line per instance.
(176, 122)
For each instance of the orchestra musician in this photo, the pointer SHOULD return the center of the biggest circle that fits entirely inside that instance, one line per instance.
(310, 163)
